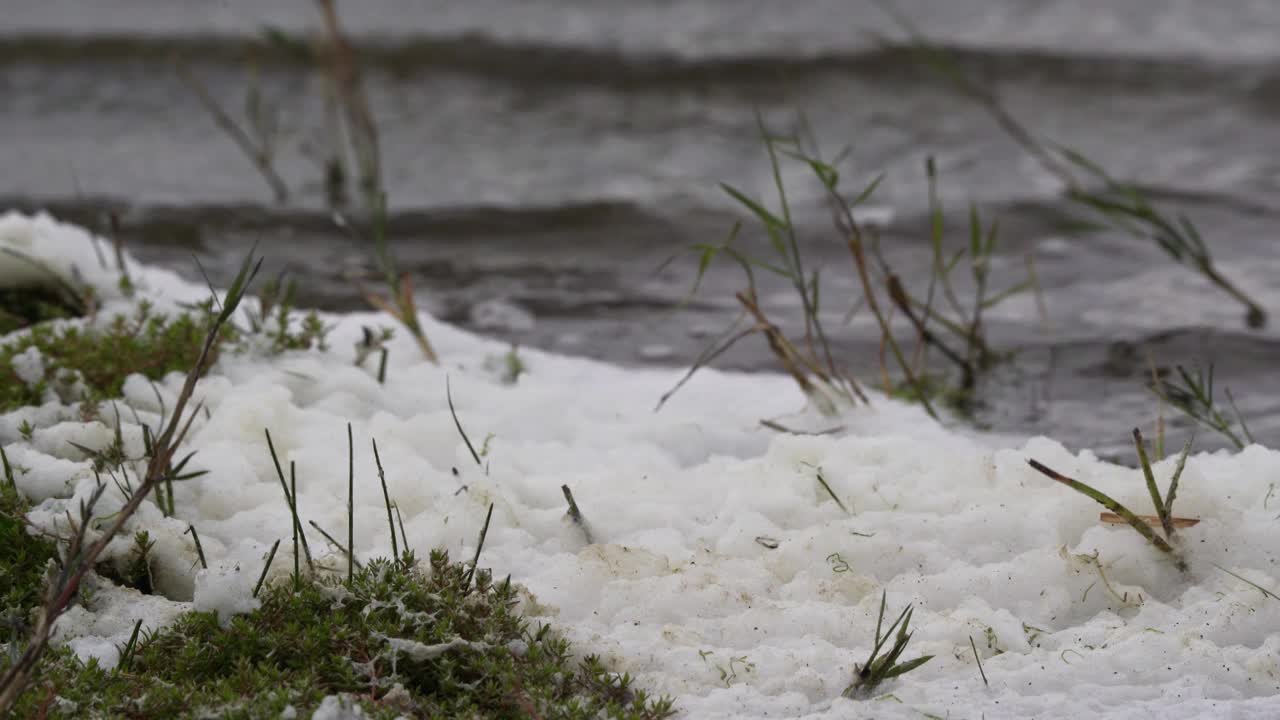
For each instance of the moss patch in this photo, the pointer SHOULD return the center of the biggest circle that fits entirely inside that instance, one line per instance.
(400, 639)
(23, 558)
(145, 343)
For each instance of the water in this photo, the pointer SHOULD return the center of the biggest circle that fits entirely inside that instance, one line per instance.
(544, 158)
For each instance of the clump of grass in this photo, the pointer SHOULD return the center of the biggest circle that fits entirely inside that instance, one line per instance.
(442, 641)
(400, 638)
(951, 317)
(1116, 204)
(938, 318)
(1161, 529)
(1195, 399)
(276, 319)
(809, 361)
(879, 666)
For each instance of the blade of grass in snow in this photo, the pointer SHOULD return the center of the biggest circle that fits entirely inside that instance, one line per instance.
(475, 561)
(289, 498)
(297, 529)
(351, 507)
(267, 566)
(880, 668)
(1156, 501)
(823, 481)
(979, 661)
(127, 654)
(1114, 506)
(448, 393)
(576, 515)
(335, 543)
(1265, 592)
(195, 536)
(404, 538)
(8, 469)
(386, 498)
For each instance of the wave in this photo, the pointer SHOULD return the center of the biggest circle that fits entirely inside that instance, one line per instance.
(93, 211)
(605, 220)
(531, 61)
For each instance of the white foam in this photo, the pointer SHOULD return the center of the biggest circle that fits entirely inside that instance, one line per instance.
(681, 588)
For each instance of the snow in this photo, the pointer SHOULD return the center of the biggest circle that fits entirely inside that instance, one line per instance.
(226, 590)
(722, 572)
(338, 707)
(28, 365)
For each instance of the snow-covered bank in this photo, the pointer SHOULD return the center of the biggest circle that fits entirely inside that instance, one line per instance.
(721, 572)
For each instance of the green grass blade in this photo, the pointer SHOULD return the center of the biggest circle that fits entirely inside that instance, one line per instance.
(1165, 521)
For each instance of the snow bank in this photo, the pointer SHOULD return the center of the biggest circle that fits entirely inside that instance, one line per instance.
(39, 251)
(722, 572)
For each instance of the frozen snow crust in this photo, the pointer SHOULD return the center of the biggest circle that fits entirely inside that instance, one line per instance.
(680, 588)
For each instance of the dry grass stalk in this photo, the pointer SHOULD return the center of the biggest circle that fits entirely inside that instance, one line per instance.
(259, 153)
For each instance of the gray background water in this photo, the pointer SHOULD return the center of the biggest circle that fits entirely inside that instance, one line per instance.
(544, 157)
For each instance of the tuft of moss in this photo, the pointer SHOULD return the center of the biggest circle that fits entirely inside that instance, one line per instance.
(146, 343)
(398, 639)
(23, 559)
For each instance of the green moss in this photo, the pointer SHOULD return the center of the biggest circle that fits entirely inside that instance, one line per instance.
(400, 639)
(147, 343)
(152, 345)
(23, 558)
